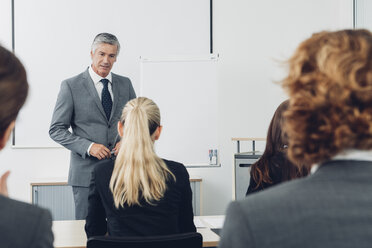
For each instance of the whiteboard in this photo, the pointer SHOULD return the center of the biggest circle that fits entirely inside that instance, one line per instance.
(5, 24)
(363, 18)
(53, 39)
(186, 92)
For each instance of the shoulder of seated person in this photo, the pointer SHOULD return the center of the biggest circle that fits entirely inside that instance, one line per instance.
(19, 208)
(175, 166)
(296, 189)
(173, 163)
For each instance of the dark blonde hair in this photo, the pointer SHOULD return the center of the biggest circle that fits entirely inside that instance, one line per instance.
(330, 89)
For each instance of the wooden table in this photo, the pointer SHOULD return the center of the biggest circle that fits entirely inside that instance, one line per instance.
(71, 234)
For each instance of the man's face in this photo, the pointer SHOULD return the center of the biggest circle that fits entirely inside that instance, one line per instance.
(103, 58)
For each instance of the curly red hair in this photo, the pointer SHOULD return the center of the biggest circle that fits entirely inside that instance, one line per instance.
(330, 90)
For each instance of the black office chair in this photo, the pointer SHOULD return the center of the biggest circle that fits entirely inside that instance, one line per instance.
(183, 240)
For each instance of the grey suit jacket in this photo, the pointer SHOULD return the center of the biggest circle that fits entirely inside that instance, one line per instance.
(24, 226)
(79, 107)
(330, 208)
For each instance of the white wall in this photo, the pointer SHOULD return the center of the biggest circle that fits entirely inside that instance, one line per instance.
(5, 24)
(249, 36)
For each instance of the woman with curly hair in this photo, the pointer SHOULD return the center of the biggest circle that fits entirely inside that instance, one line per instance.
(274, 167)
(329, 128)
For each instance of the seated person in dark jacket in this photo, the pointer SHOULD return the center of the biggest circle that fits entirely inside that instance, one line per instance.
(21, 224)
(273, 167)
(139, 194)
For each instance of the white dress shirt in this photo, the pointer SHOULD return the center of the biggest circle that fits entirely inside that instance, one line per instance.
(99, 87)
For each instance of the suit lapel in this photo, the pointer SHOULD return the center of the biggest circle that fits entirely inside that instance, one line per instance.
(115, 92)
(89, 85)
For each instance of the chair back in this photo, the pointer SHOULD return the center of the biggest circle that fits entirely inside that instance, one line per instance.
(183, 240)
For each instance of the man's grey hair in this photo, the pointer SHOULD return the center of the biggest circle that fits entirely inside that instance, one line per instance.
(105, 38)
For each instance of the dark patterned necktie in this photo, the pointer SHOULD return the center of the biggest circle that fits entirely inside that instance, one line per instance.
(106, 98)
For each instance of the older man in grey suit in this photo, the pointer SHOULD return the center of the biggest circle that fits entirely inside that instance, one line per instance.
(91, 104)
(329, 127)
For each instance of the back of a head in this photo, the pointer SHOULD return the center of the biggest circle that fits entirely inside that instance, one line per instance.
(276, 141)
(275, 153)
(330, 89)
(13, 88)
(139, 172)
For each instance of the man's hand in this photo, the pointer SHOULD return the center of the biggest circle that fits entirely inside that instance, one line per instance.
(117, 147)
(99, 151)
(3, 184)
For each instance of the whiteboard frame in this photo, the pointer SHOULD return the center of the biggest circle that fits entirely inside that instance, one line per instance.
(57, 146)
(208, 57)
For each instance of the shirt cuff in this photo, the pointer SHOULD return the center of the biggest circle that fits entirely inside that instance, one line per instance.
(88, 151)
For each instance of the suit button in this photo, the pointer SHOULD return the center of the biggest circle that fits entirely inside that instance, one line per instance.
(109, 126)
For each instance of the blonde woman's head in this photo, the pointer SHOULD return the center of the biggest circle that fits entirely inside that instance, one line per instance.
(147, 111)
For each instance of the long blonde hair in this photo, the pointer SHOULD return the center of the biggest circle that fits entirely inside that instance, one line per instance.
(138, 172)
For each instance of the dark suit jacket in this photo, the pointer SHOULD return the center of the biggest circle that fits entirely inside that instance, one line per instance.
(24, 226)
(172, 214)
(78, 106)
(330, 208)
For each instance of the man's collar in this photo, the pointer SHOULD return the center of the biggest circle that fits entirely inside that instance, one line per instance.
(96, 78)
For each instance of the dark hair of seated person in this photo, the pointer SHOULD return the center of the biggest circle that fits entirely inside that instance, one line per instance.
(273, 166)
